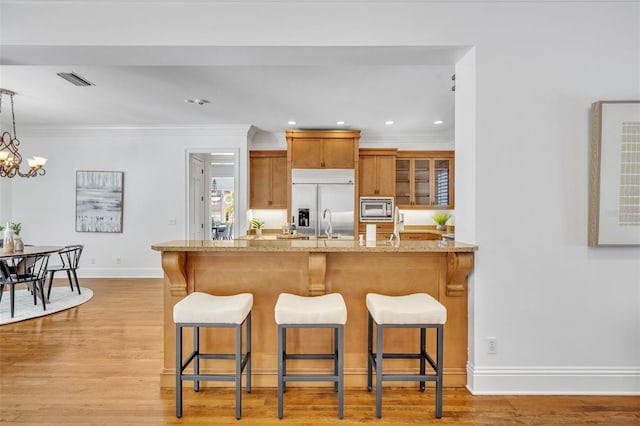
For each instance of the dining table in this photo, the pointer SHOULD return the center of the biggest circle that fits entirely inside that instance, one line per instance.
(29, 250)
(11, 258)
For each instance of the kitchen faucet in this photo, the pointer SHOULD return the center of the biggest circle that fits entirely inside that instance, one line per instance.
(329, 229)
(396, 225)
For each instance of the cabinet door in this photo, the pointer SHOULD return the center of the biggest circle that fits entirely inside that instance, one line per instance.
(443, 194)
(260, 182)
(368, 175)
(422, 236)
(421, 182)
(338, 154)
(386, 175)
(279, 182)
(403, 182)
(306, 153)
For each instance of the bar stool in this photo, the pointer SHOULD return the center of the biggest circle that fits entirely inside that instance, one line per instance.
(205, 310)
(418, 310)
(327, 311)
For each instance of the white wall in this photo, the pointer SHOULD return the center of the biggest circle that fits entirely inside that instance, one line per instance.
(154, 165)
(567, 317)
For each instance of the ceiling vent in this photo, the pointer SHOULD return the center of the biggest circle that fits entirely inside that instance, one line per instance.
(75, 79)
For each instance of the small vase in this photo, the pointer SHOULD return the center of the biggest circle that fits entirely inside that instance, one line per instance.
(258, 231)
(18, 245)
(441, 227)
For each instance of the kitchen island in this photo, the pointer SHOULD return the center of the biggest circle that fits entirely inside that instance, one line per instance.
(267, 268)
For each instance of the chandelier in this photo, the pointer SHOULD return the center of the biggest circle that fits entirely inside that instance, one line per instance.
(10, 158)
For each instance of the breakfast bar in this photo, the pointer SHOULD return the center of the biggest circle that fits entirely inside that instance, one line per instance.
(311, 267)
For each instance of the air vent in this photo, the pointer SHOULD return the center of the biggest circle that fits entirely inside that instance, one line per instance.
(74, 78)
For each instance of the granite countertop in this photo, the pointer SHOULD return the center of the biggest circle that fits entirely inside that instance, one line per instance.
(320, 245)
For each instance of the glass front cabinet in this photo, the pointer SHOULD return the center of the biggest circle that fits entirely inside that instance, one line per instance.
(424, 179)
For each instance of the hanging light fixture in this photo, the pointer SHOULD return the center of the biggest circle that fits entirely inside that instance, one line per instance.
(10, 158)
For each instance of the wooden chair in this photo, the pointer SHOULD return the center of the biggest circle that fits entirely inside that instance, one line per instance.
(70, 260)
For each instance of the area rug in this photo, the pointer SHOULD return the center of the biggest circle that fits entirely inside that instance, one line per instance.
(61, 298)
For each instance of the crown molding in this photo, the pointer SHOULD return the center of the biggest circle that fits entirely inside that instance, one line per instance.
(71, 131)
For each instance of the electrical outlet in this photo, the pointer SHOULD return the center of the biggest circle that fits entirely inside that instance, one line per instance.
(93, 260)
(118, 261)
(492, 345)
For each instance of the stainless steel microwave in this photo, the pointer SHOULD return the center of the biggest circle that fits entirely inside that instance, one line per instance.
(376, 209)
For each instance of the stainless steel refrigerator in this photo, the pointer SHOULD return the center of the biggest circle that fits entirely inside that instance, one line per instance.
(315, 191)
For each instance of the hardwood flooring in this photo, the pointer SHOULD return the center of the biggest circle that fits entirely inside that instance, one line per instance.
(99, 363)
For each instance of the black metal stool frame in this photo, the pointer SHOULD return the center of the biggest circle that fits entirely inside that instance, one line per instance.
(242, 361)
(338, 365)
(375, 362)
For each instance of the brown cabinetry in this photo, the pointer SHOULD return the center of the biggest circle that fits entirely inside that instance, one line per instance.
(419, 236)
(378, 172)
(323, 149)
(424, 179)
(383, 229)
(268, 179)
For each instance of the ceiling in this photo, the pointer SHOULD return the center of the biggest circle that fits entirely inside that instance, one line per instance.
(261, 86)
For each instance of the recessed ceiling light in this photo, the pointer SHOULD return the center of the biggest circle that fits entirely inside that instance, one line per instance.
(197, 101)
(291, 122)
(388, 122)
(438, 122)
(339, 123)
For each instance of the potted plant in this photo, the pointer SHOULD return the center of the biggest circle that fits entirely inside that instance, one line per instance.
(441, 220)
(257, 225)
(16, 228)
(17, 239)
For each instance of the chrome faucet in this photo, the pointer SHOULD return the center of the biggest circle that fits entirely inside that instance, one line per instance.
(329, 229)
(396, 225)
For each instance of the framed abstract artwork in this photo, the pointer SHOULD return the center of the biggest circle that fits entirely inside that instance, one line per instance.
(614, 177)
(99, 198)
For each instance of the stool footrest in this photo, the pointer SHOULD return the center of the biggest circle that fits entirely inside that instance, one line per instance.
(424, 355)
(309, 356)
(409, 377)
(309, 378)
(209, 377)
(245, 358)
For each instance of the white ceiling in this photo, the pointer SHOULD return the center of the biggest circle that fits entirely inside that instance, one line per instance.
(264, 87)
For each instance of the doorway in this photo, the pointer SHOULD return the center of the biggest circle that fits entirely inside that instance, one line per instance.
(221, 180)
(212, 189)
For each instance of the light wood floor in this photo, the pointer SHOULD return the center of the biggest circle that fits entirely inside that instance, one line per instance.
(99, 363)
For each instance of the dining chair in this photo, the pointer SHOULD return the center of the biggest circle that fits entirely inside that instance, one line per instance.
(69, 262)
(228, 232)
(27, 269)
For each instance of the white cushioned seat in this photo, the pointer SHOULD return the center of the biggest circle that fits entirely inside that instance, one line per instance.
(325, 309)
(205, 308)
(418, 308)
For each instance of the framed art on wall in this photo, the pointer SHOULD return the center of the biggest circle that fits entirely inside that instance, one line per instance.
(614, 181)
(99, 197)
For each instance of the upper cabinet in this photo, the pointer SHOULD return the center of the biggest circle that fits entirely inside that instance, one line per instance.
(424, 179)
(323, 149)
(378, 172)
(268, 179)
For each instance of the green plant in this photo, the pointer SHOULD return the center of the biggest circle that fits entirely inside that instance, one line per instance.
(441, 218)
(16, 228)
(256, 223)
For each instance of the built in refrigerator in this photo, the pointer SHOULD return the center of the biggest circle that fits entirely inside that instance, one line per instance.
(320, 197)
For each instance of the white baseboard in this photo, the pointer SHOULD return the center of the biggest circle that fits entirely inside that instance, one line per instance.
(553, 380)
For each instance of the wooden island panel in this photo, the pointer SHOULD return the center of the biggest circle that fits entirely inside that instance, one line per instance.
(353, 273)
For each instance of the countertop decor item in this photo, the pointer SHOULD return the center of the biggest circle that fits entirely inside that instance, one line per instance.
(10, 158)
(441, 220)
(257, 225)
